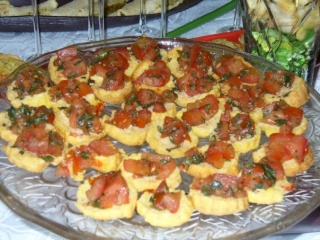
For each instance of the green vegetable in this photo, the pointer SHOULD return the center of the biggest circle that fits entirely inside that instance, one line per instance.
(285, 49)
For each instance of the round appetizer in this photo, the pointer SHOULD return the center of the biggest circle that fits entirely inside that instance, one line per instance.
(218, 194)
(165, 207)
(68, 64)
(291, 150)
(217, 157)
(106, 196)
(265, 182)
(171, 136)
(100, 154)
(30, 87)
(145, 171)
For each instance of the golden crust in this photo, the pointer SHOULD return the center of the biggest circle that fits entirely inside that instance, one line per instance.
(56, 76)
(164, 145)
(247, 144)
(164, 218)
(5, 132)
(36, 100)
(219, 206)
(290, 167)
(148, 182)
(172, 61)
(298, 130)
(28, 160)
(271, 195)
(115, 212)
(71, 135)
(132, 136)
(115, 97)
(203, 170)
(102, 164)
(296, 96)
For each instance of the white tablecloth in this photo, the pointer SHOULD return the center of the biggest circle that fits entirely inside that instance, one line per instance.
(22, 43)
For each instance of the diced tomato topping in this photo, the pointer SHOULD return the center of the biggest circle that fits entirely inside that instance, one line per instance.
(163, 199)
(201, 110)
(176, 130)
(121, 119)
(222, 185)
(108, 190)
(286, 146)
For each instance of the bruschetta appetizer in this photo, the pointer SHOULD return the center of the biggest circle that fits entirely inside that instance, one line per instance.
(265, 182)
(30, 87)
(36, 147)
(128, 126)
(100, 154)
(106, 196)
(278, 115)
(165, 207)
(145, 171)
(240, 130)
(67, 64)
(203, 115)
(110, 75)
(159, 105)
(218, 194)
(217, 157)
(171, 136)
(291, 150)
(79, 123)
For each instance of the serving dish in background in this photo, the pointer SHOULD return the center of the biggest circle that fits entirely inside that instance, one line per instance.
(53, 24)
(49, 201)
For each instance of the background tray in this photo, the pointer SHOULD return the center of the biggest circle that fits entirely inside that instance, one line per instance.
(53, 24)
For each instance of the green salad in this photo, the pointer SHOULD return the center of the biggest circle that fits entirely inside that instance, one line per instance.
(284, 49)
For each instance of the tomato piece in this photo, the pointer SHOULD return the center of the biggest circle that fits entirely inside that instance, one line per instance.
(116, 192)
(97, 187)
(251, 75)
(294, 115)
(214, 157)
(285, 146)
(121, 119)
(159, 108)
(137, 167)
(103, 147)
(166, 169)
(169, 201)
(163, 199)
(141, 118)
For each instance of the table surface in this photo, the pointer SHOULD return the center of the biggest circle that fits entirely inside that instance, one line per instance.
(13, 226)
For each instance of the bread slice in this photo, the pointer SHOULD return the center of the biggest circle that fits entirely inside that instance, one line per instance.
(291, 167)
(148, 182)
(164, 145)
(296, 96)
(204, 169)
(56, 76)
(73, 136)
(215, 205)
(164, 218)
(32, 101)
(115, 212)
